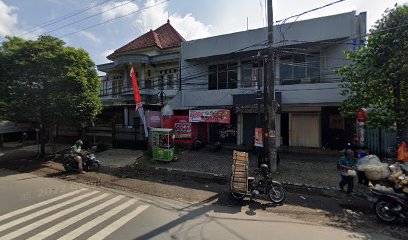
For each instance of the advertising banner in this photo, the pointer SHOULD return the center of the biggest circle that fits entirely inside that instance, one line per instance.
(182, 130)
(210, 116)
(258, 137)
(153, 119)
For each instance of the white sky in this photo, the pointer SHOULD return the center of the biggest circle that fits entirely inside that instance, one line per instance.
(192, 18)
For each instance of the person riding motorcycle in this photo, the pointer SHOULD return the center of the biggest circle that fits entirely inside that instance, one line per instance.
(76, 153)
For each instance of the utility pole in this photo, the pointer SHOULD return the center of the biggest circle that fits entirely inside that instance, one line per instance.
(259, 149)
(269, 98)
(258, 91)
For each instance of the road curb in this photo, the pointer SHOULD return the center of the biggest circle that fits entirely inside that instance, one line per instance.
(197, 174)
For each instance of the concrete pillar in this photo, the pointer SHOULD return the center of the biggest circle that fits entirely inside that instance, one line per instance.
(290, 129)
(278, 130)
(126, 116)
(277, 71)
(142, 76)
(126, 80)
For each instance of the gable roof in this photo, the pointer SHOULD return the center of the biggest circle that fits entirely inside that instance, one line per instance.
(163, 37)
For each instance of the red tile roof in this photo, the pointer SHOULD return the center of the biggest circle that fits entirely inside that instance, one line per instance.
(163, 37)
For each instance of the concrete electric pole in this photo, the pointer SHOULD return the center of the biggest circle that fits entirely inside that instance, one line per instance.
(269, 98)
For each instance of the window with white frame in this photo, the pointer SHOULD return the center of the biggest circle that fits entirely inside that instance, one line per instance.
(117, 85)
(166, 78)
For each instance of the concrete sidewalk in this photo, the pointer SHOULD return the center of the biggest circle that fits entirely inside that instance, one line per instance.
(116, 158)
(299, 169)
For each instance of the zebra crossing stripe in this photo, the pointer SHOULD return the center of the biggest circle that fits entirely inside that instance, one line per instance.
(83, 228)
(106, 231)
(75, 219)
(46, 220)
(44, 211)
(40, 204)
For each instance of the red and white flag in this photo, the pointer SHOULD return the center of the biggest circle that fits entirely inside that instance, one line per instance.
(138, 101)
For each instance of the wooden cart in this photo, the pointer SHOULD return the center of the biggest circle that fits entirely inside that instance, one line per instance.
(239, 176)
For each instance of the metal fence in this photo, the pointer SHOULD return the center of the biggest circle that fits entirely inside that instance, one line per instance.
(380, 141)
(128, 137)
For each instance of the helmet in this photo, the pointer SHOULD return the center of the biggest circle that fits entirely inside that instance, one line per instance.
(349, 153)
(79, 142)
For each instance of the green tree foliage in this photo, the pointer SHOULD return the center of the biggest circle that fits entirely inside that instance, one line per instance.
(47, 83)
(377, 77)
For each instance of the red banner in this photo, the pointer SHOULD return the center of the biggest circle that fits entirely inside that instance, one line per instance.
(210, 116)
(138, 101)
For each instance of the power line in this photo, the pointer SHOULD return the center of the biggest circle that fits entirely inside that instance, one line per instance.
(56, 20)
(110, 20)
(311, 10)
(91, 16)
(299, 15)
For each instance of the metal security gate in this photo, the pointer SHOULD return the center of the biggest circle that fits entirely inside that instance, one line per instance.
(128, 137)
(380, 140)
(304, 130)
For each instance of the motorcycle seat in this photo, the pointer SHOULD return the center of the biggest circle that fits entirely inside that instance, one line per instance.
(399, 195)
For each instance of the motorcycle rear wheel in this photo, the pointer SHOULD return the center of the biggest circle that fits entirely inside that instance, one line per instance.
(384, 214)
(276, 193)
(94, 166)
(237, 196)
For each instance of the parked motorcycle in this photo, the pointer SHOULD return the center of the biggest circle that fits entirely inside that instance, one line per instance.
(217, 146)
(266, 185)
(89, 163)
(198, 144)
(388, 206)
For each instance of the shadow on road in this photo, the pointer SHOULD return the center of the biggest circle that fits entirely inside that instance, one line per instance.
(338, 209)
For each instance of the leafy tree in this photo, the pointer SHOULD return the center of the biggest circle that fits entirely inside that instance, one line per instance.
(377, 77)
(48, 83)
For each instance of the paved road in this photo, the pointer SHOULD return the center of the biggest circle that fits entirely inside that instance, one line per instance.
(33, 207)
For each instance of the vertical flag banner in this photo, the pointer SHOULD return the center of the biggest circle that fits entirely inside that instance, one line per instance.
(139, 107)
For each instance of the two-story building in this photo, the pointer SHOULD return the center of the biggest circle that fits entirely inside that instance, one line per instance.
(155, 57)
(219, 76)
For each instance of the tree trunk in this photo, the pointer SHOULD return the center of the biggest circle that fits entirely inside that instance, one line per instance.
(42, 139)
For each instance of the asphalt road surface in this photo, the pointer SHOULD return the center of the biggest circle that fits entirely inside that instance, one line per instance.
(33, 207)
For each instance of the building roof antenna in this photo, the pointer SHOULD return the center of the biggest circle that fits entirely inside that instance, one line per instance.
(247, 24)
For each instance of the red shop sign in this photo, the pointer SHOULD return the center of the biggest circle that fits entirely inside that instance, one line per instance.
(210, 116)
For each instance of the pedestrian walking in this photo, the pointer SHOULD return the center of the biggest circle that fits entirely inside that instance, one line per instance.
(346, 165)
